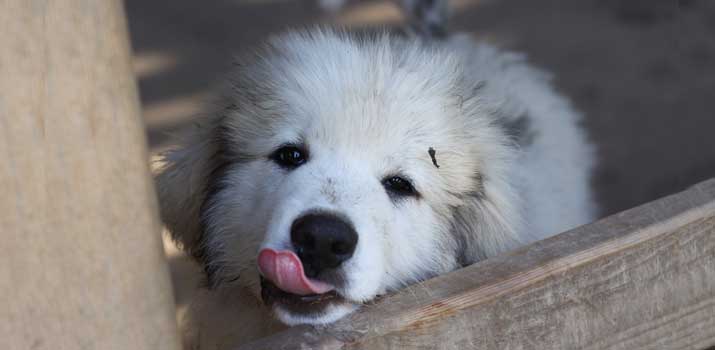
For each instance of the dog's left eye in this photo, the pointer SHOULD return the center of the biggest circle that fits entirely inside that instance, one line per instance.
(289, 156)
(399, 186)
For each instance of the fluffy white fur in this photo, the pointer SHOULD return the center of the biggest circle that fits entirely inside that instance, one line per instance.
(513, 167)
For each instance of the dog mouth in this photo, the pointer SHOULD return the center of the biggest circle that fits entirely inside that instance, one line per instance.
(285, 285)
(271, 294)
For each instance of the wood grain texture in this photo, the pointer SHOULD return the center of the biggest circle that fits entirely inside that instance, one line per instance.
(81, 265)
(641, 279)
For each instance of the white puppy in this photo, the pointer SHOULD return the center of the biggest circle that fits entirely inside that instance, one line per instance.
(343, 166)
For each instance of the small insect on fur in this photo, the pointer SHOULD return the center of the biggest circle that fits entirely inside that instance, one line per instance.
(433, 155)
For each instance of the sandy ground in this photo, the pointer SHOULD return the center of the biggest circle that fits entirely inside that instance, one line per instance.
(642, 71)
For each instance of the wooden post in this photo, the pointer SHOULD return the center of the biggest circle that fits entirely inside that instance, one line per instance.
(81, 264)
(641, 279)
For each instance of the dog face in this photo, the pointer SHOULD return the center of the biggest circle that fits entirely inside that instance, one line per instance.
(338, 169)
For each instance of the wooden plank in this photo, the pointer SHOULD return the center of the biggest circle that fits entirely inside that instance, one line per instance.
(81, 265)
(641, 279)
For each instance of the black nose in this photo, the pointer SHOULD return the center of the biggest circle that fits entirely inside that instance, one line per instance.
(322, 241)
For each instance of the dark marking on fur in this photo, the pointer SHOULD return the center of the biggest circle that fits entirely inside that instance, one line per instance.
(226, 155)
(328, 190)
(433, 155)
(461, 247)
(462, 230)
(460, 227)
(215, 185)
(220, 163)
(479, 184)
(519, 129)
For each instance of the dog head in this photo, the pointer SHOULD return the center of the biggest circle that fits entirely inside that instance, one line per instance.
(339, 168)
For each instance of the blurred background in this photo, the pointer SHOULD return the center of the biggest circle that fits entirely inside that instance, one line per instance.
(642, 71)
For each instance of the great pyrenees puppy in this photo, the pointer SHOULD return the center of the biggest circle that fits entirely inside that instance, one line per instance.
(341, 166)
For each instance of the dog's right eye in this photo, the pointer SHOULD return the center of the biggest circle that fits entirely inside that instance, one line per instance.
(400, 186)
(289, 156)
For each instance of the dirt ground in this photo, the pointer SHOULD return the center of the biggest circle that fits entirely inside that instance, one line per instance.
(642, 71)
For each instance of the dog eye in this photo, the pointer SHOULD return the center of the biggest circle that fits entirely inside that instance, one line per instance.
(399, 186)
(289, 156)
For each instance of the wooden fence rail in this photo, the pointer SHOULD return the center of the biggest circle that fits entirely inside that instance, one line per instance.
(640, 279)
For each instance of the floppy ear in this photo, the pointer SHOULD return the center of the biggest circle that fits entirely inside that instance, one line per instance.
(183, 183)
(487, 223)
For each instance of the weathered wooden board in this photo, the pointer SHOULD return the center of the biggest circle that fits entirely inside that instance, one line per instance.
(81, 264)
(641, 279)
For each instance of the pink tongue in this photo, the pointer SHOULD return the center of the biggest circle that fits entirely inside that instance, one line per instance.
(284, 269)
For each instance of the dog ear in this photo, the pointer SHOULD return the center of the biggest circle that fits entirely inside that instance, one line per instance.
(183, 182)
(487, 223)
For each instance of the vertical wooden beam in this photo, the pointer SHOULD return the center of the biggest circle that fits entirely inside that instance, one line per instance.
(81, 265)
